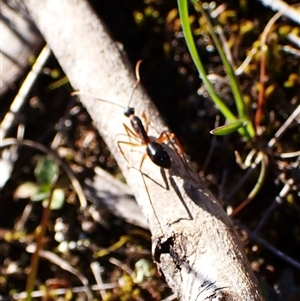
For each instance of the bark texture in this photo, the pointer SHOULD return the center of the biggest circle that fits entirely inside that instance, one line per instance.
(194, 242)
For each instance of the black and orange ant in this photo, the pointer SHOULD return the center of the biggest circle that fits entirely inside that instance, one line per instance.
(154, 148)
(155, 151)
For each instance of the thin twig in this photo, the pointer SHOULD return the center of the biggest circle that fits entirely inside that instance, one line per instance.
(272, 249)
(23, 92)
(285, 9)
(63, 265)
(97, 269)
(278, 201)
(75, 183)
(63, 291)
(263, 50)
(284, 127)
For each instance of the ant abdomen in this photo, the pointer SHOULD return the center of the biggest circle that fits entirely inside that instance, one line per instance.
(158, 155)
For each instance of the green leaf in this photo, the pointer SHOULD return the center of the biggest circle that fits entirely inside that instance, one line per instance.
(58, 199)
(26, 190)
(46, 171)
(228, 128)
(42, 193)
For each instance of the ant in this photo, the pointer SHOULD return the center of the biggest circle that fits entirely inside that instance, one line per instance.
(154, 148)
(155, 151)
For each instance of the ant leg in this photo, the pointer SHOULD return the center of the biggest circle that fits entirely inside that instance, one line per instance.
(126, 143)
(146, 121)
(148, 193)
(154, 212)
(142, 161)
(142, 174)
(165, 135)
(130, 132)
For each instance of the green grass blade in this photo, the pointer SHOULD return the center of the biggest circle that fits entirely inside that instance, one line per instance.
(248, 131)
(184, 17)
(228, 128)
(234, 84)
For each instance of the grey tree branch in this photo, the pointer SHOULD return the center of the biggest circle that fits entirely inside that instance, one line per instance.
(194, 242)
(107, 192)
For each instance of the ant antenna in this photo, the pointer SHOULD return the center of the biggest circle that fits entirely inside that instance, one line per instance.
(138, 79)
(92, 96)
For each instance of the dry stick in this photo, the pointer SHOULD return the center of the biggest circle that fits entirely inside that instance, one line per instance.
(199, 252)
(63, 264)
(285, 9)
(18, 102)
(75, 183)
(9, 157)
(97, 269)
(284, 127)
(263, 76)
(64, 291)
(105, 191)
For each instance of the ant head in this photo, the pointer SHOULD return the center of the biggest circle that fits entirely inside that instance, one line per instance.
(129, 111)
